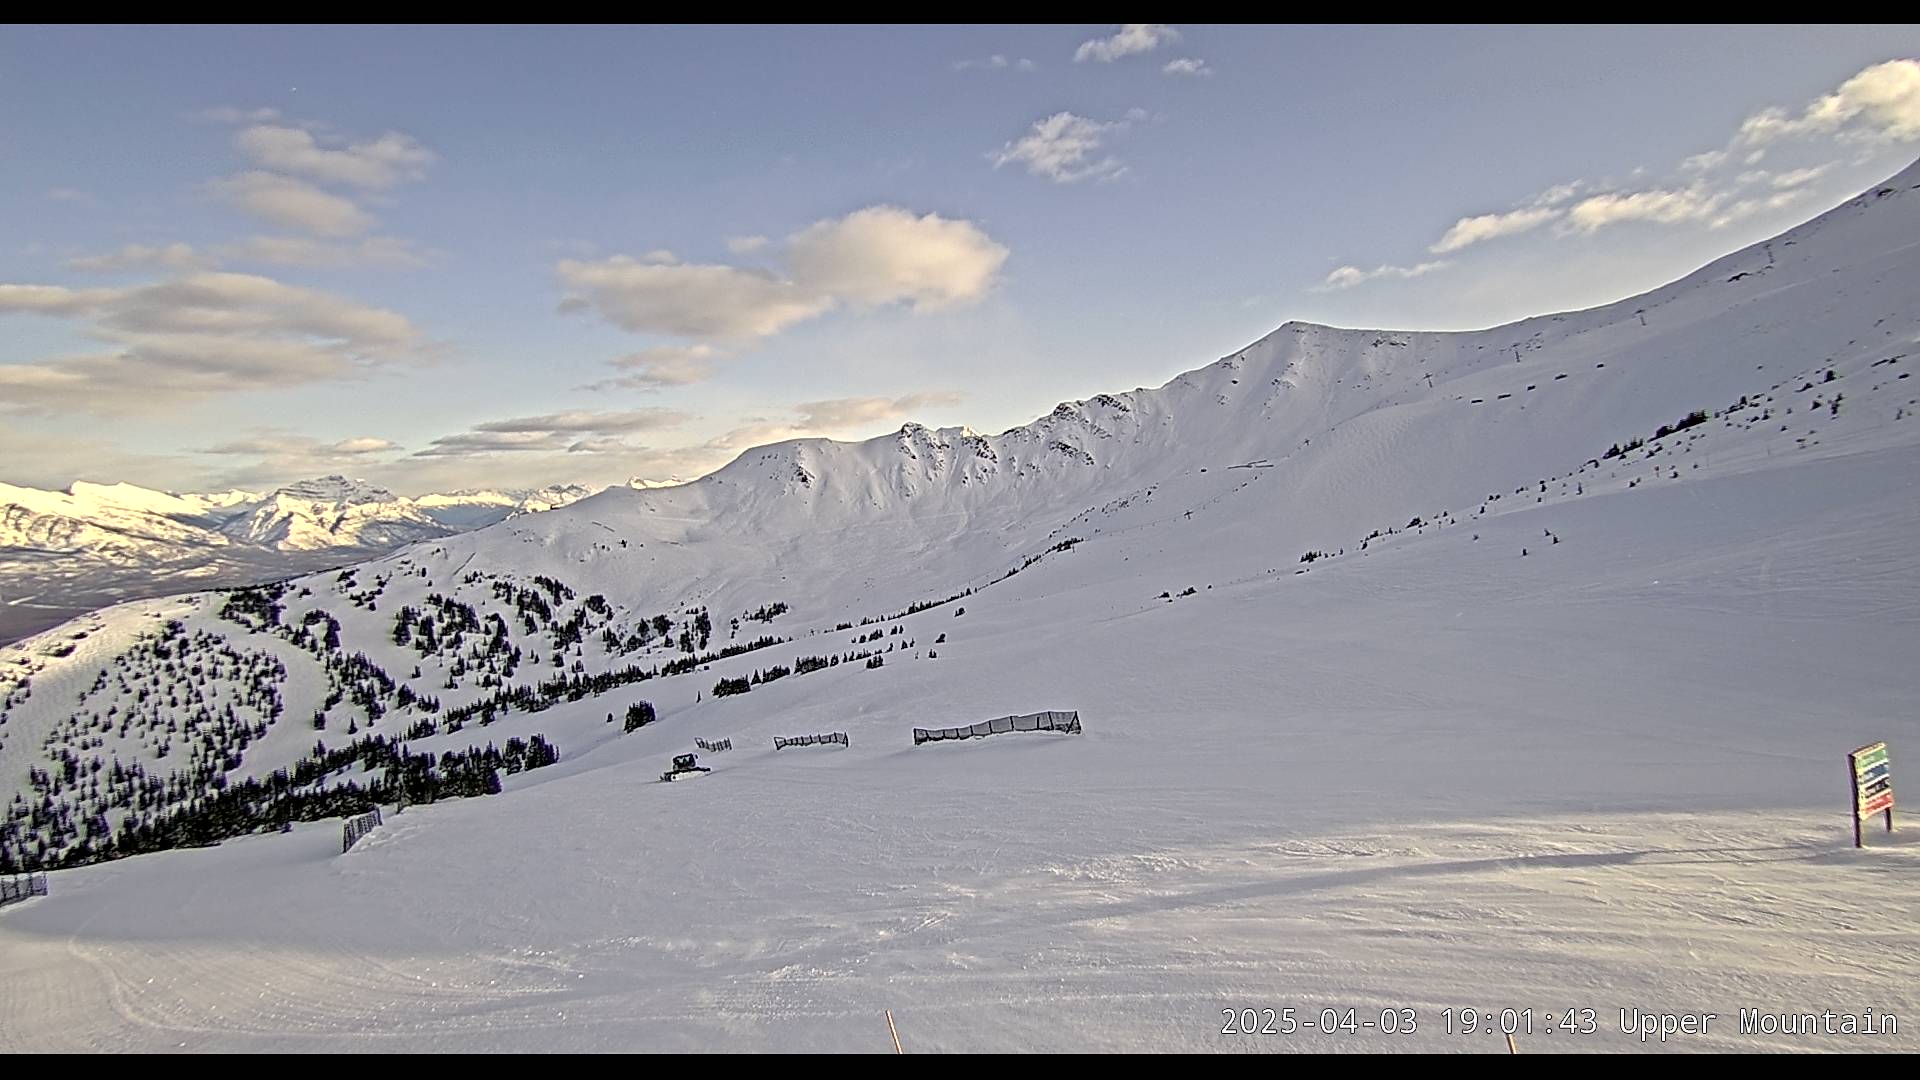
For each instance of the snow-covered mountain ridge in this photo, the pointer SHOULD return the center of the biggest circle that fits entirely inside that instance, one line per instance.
(326, 512)
(1529, 653)
(95, 544)
(1355, 424)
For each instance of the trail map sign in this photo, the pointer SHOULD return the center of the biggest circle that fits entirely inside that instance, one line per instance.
(1872, 775)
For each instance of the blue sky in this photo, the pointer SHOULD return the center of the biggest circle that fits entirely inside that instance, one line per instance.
(515, 256)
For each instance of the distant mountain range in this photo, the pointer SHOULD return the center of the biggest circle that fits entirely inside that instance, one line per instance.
(63, 552)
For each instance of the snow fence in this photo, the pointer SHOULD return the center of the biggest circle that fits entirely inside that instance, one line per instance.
(19, 887)
(713, 747)
(831, 738)
(357, 827)
(1067, 722)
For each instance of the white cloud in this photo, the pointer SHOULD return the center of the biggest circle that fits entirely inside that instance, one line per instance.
(1661, 206)
(1766, 126)
(1473, 230)
(378, 163)
(835, 414)
(884, 254)
(308, 252)
(690, 300)
(364, 444)
(53, 299)
(585, 422)
(996, 62)
(818, 418)
(249, 303)
(1346, 277)
(1536, 212)
(470, 443)
(51, 456)
(1797, 177)
(1063, 148)
(302, 251)
(1745, 208)
(1559, 193)
(1880, 103)
(879, 255)
(1130, 40)
(746, 245)
(604, 444)
(175, 256)
(293, 204)
(202, 333)
(228, 114)
(1187, 65)
(274, 445)
(1703, 162)
(663, 366)
(567, 432)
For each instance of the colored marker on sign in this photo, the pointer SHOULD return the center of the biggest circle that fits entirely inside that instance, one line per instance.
(1871, 770)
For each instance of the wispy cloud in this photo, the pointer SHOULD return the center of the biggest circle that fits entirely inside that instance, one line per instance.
(315, 254)
(661, 367)
(177, 256)
(374, 163)
(1880, 103)
(271, 444)
(1347, 277)
(813, 419)
(879, 255)
(292, 170)
(293, 204)
(586, 422)
(835, 414)
(1740, 209)
(568, 432)
(1130, 40)
(199, 334)
(1795, 177)
(302, 251)
(1481, 227)
(996, 62)
(1187, 65)
(1065, 149)
(688, 300)
(1703, 162)
(1662, 206)
(231, 114)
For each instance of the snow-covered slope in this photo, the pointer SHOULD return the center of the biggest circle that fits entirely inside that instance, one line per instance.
(96, 544)
(472, 509)
(1505, 669)
(1349, 427)
(332, 512)
(94, 513)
